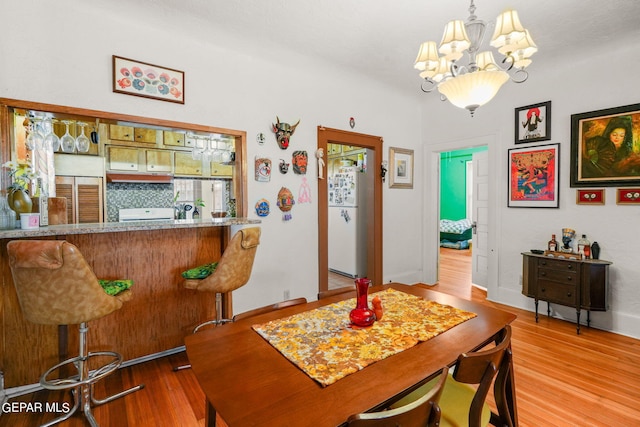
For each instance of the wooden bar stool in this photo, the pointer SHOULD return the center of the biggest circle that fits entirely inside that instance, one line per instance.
(56, 286)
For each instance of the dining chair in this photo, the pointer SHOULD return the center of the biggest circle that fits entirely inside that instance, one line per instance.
(421, 412)
(463, 405)
(332, 292)
(269, 308)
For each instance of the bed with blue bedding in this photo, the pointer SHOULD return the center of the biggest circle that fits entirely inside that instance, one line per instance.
(455, 233)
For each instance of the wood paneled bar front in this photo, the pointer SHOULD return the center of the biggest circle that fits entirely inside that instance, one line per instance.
(158, 317)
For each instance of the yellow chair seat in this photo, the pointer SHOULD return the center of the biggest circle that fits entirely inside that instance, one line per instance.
(454, 402)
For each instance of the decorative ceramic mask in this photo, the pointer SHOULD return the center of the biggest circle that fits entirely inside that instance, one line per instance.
(283, 132)
(263, 169)
(284, 166)
(263, 208)
(285, 203)
(299, 161)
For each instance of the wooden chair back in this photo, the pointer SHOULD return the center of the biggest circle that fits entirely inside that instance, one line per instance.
(332, 292)
(419, 413)
(266, 309)
(480, 368)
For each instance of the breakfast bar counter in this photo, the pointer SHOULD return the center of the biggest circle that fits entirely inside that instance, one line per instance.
(158, 317)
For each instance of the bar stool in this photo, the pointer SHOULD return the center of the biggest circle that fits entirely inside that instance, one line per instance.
(56, 286)
(231, 272)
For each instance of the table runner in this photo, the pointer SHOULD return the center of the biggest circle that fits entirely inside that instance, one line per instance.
(322, 343)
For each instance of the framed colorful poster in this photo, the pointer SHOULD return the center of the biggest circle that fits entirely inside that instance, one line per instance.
(534, 176)
(605, 147)
(147, 80)
(533, 123)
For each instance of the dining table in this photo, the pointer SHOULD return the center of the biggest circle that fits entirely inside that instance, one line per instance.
(247, 381)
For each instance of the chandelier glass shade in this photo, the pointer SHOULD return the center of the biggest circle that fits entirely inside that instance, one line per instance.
(475, 82)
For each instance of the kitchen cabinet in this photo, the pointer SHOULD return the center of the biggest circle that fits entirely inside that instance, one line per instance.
(579, 283)
(158, 161)
(221, 170)
(132, 134)
(185, 164)
(174, 139)
(123, 159)
(85, 198)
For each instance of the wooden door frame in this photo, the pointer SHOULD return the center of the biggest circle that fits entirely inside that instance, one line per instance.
(374, 262)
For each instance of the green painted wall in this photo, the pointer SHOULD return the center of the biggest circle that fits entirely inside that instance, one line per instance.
(453, 178)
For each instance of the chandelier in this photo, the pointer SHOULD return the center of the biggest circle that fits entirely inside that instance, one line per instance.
(476, 83)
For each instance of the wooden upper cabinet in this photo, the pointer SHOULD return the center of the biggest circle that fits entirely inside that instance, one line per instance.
(121, 133)
(145, 135)
(158, 160)
(132, 134)
(123, 159)
(186, 165)
(221, 170)
(174, 139)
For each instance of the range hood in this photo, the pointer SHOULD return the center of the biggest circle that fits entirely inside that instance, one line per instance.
(149, 178)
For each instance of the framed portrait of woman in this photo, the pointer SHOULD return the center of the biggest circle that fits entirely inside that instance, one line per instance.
(605, 147)
(533, 123)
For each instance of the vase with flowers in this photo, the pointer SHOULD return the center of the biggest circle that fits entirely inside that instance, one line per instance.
(18, 190)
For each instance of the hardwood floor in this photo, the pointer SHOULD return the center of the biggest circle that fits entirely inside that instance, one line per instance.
(562, 379)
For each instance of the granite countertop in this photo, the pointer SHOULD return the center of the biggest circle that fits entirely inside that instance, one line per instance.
(115, 227)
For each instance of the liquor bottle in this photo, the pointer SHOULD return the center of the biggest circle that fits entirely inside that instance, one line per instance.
(584, 246)
(553, 244)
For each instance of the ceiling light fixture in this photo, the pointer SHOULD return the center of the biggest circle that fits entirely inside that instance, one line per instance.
(476, 83)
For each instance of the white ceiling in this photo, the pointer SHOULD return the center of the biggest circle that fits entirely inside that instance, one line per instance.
(381, 37)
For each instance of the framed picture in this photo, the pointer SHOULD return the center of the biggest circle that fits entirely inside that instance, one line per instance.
(533, 123)
(534, 176)
(605, 147)
(147, 80)
(590, 197)
(628, 196)
(401, 162)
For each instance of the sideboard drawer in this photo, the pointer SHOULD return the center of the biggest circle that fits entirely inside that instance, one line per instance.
(557, 264)
(557, 293)
(563, 276)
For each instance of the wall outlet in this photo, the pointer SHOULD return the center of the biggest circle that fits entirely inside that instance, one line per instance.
(287, 294)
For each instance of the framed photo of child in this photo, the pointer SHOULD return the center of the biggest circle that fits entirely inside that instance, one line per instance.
(533, 123)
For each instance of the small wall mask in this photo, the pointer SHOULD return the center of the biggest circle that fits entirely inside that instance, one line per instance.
(283, 132)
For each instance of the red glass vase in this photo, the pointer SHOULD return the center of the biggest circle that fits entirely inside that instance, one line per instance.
(362, 315)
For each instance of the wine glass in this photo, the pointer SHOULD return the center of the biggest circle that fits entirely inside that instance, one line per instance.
(67, 141)
(82, 142)
(35, 138)
(51, 140)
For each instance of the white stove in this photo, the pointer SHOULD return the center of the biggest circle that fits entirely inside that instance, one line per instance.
(145, 214)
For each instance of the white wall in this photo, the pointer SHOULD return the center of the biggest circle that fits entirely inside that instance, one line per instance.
(572, 87)
(60, 53)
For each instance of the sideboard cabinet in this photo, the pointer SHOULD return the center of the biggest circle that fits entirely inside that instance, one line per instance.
(578, 283)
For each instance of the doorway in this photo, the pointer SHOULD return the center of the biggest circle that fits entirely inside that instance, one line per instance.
(431, 207)
(456, 214)
(373, 145)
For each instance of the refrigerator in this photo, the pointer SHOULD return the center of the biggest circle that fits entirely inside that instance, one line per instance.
(350, 190)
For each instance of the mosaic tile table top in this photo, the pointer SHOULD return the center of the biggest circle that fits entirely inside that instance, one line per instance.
(322, 343)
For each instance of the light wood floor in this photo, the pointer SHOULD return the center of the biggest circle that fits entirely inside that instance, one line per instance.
(562, 379)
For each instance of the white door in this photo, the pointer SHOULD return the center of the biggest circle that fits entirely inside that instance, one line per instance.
(480, 218)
